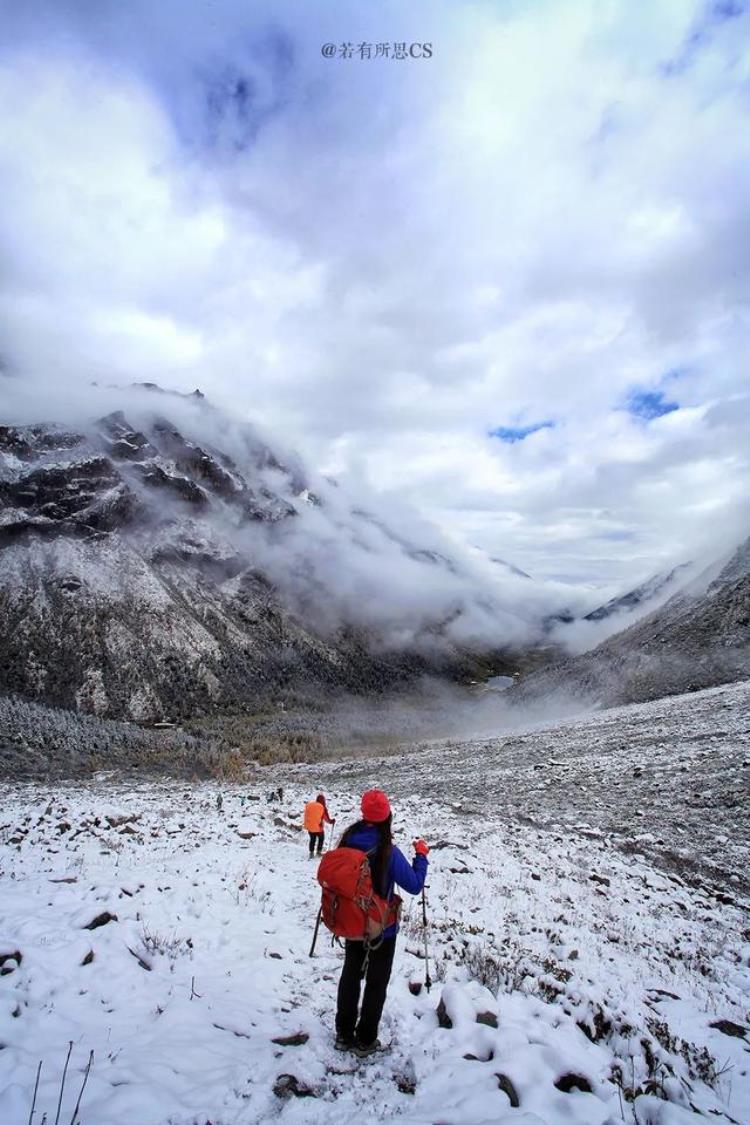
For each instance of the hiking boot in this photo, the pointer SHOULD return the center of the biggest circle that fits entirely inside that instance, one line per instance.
(343, 1044)
(362, 1051)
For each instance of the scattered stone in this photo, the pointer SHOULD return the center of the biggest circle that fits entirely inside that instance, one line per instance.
(444, 1019)
(275, 956)
(489, 1019)
(287, 1086)
(602, 880)
(88, 958)
(65, 879)
(63, 826)
(535, 877)
(570, 1082)
(101, 920)
(727, 1027)
(573, 955)
(415, 987)
(504, 1083)
(16, 956)
(297, 1040)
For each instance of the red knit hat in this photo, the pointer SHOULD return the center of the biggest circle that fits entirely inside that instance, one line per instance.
(375, 806)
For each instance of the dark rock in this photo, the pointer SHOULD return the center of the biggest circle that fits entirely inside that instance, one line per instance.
(504, 1083)
(489, 1019)
(296, 1040)
(124, 818)
(569, 1082)
(16, 956)
(444, 1019)
(88, 958)
(101, 920)
(415, 987)
(727, 1027)
(600, 879)
(287, 1086)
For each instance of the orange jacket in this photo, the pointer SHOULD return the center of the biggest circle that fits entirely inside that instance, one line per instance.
(315, 815)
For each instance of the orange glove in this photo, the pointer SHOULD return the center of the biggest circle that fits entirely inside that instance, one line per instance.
(421, 848)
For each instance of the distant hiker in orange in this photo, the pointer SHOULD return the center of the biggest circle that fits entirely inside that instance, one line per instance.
(316, 817)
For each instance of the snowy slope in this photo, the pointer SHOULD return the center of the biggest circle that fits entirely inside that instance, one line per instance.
(604, 973)
(699, 637)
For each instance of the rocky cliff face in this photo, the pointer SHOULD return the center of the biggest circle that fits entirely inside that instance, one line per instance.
(138, 576)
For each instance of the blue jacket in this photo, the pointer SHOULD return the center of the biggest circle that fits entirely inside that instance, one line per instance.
(409, 876)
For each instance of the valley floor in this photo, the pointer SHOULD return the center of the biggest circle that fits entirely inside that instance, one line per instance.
(586, 896)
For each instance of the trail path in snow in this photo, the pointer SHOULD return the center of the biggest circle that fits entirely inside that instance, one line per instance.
(605, 975)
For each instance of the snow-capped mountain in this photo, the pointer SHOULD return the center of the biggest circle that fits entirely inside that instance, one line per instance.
(698, 638)
(658, 586)
(163, 559)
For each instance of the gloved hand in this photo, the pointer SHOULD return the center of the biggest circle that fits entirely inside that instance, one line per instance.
(421, 848)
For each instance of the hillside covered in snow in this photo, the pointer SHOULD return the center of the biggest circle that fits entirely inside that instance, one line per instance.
(590, 962)
(699, 637)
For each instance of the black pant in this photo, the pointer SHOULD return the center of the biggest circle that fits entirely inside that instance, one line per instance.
(376, 985)
(319, 836)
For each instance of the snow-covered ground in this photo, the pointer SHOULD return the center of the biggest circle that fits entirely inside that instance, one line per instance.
(603, 973)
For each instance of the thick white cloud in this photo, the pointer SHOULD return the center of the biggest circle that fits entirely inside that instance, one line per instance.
(382, 261)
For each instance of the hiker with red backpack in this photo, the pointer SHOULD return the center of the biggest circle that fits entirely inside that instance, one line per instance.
(360, 905)
(316, 818)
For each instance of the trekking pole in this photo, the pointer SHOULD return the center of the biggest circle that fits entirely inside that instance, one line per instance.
(427, 978)
(317, 927)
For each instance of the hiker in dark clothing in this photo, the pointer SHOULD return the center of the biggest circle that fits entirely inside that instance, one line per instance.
(316, 818)
(389, 867)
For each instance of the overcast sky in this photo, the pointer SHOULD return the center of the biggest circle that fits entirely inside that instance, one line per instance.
(508, 282)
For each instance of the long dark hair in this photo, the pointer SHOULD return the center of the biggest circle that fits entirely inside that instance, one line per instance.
(380, 857)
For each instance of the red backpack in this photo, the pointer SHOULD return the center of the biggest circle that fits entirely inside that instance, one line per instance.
(350, 907)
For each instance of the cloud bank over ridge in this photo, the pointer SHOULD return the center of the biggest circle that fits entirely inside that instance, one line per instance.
(385, 261)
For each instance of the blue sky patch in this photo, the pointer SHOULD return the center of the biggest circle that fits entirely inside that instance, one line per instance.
(512, 434)
(649, 405)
